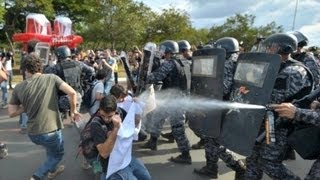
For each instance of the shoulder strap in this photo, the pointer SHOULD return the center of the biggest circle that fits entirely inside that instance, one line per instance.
(305, 90)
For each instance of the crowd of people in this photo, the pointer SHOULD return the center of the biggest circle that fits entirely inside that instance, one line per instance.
(87, 82)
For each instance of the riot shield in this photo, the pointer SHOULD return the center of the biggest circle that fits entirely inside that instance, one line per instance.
(43, 50)
(207, 81)
(150, 62)
(254, 79)
(145, 69)
(125, 63)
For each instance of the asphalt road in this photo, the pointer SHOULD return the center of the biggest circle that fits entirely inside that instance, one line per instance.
(24, 157)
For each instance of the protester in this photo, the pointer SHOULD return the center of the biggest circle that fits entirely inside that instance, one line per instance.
(44, 124)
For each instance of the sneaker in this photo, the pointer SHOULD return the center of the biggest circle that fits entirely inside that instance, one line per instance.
(85, 165)
(5, 106)
(52, 175)
(23, 130)
(34, 177)
(181, 159)
(205, 171)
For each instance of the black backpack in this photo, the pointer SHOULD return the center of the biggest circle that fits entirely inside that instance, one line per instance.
(184, 74)
(87, 95)
(87, 146)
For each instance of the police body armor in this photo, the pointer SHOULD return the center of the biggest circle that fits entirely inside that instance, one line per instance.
(179, 78)
(70, 71)
(207, 82)
(254, 80)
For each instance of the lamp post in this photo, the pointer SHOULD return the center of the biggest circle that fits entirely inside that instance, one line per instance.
(295, 14)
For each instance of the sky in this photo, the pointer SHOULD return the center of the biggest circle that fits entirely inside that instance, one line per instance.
(205, 13)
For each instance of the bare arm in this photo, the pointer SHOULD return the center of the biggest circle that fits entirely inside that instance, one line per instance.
(15, 110)
(99, 96)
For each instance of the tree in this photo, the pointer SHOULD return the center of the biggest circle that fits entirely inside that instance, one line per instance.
(241, 27)
(171, 24)
(117, 24)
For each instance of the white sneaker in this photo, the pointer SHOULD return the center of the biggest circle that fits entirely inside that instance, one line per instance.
(59, 170)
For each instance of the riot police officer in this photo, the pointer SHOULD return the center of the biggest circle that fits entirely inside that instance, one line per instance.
(73, 72)
(298, 115)
(293, 81)
(186, 55)
(168, 73)
(213, 150)
(307, 59)
(185, 49)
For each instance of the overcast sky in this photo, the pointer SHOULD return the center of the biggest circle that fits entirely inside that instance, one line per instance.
(205, 13)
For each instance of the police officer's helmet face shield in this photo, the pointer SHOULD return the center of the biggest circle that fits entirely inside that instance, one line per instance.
(301, 38)
(230, 44)
(279, 44)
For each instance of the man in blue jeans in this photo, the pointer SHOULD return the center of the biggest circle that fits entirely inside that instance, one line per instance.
(44, 124)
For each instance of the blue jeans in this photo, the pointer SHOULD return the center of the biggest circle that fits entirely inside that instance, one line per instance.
(134, 171)
(23, 120)
(4, 92)
(53, 143)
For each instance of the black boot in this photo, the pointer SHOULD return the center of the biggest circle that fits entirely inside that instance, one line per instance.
(239, 168)
(151, 144)
(168, 136)
(183, 158)
(290, 154)
(142, 136)
(198, 145)
(209, 171)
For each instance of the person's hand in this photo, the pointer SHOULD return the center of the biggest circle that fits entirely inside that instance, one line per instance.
(116, 120)
(75, 116)
(286, 110)
(135, 99)
(315, 105)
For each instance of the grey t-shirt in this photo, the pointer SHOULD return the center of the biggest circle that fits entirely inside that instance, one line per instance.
(98, 88)
(38, 95)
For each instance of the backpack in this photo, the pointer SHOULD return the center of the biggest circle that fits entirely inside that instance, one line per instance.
(87, 95)
(184, 74)
(87, 146)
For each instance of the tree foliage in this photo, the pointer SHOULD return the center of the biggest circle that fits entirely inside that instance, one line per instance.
(122, 24)
(241, 27)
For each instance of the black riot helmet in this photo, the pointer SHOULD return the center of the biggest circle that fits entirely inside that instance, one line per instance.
(301, 38)
(62, 52)
(184, 45)
(169, 46)
(279, 43)
(230, 44)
